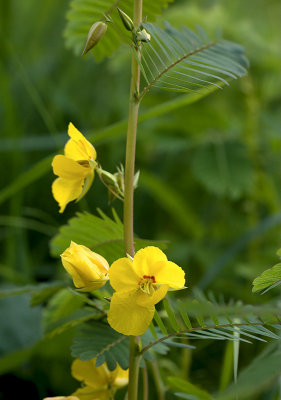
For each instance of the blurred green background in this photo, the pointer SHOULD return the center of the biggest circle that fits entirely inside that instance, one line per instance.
(210, 172)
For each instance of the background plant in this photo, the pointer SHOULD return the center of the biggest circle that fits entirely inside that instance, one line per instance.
(243, 136)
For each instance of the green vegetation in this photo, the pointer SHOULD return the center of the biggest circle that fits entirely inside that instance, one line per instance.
(208, 193)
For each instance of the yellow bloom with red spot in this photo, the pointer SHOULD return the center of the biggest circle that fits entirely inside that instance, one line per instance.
(139, 284)
(75, 169)
(99, 382)
(89, 270)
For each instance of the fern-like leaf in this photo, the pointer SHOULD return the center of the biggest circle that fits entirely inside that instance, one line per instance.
(101, 234)
(100, 341)
(232, 322)
(187, 61)
(103, 343)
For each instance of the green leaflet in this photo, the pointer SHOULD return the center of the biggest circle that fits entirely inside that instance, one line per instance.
(187, 61)
(101, 341)
(187, 387)
(101, 234)
(83, 13)
(268, 279)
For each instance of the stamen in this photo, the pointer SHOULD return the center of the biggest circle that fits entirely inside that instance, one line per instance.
(146, 283)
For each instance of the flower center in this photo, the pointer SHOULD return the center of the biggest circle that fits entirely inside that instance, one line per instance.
(146, 284)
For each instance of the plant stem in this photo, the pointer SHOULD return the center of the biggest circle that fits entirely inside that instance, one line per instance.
(160, 389)
(131, 144)
(145, 383)
(133, 369)
(129, 191)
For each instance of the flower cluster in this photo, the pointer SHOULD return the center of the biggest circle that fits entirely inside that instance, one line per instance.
(140, 282)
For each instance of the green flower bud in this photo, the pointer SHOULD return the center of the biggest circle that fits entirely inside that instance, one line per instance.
(127, 22)
(96, 33)
(107, 178)
(143, 36)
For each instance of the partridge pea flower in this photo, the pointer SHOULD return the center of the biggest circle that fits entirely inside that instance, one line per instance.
(100, 383)
(89, 270)
(140, 284)
(75, 169)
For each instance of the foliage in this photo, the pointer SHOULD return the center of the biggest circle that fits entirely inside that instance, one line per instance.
(222, 233)
(269, 279)
(101, 234)
(185, 61)
(217, 322)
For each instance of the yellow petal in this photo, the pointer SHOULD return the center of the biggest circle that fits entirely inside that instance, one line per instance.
(126, 316)
(66, 168)
(169, 273)
(89, 374)
(122, 276)
(95, 258)
(146, 258)
(121, 377)
(65, 190)
(78, 147)
(146, 300)
(87, 184)
(88, 393)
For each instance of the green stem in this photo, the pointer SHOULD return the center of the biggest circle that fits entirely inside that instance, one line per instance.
(160, 389)
(133, 369)
(131, 143)
(129, 191)
(145, 383)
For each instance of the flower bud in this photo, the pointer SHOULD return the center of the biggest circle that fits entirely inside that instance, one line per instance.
(89, 270)
(107, 178)
(127, 22)
(143, 36)
(96, 33)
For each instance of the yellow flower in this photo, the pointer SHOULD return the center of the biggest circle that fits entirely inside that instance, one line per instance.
(89, 270)
(100, 383)
(75, 170)
(140, 284)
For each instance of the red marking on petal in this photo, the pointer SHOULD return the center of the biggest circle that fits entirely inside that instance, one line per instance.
(152, 277)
